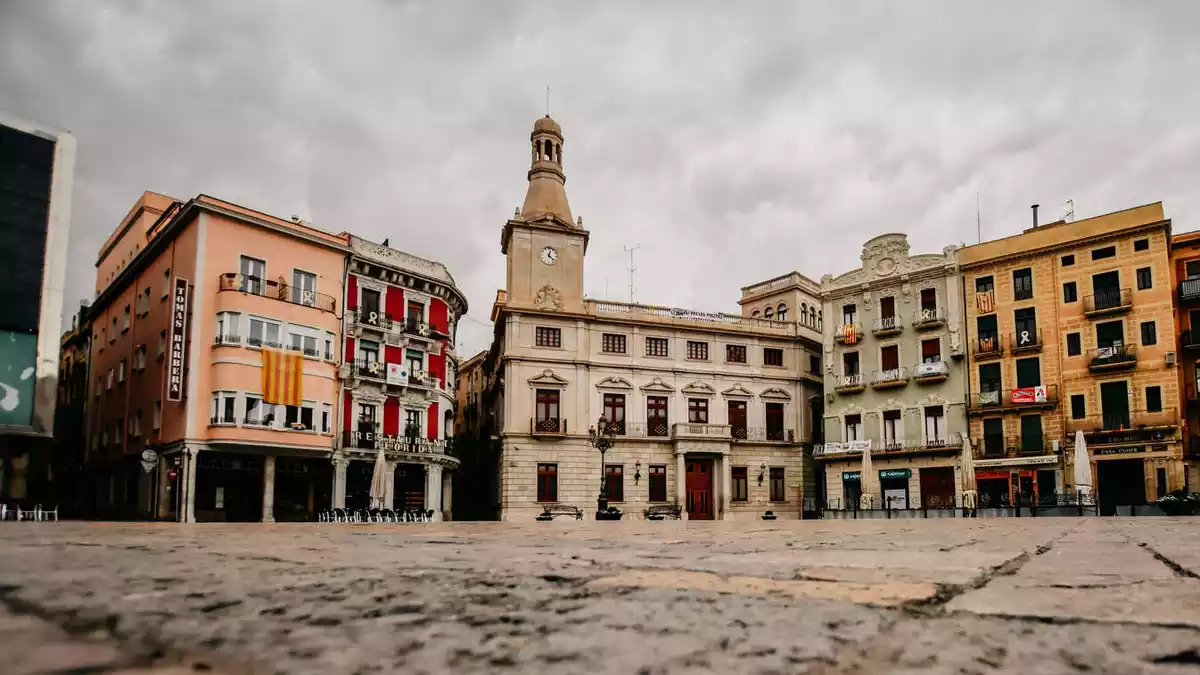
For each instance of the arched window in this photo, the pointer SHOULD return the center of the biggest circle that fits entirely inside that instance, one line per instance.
(755, 314)
(782, 313)
(768, 313)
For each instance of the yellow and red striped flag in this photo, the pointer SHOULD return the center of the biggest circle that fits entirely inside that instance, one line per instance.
(282, 374)
(985, 302)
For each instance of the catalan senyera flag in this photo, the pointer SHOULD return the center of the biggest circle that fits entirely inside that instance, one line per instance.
(850, 334)
(282, 374)
(985, 302)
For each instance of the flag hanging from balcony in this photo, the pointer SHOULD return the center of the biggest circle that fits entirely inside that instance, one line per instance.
(985, 302)
(850, 334)
(282, 373)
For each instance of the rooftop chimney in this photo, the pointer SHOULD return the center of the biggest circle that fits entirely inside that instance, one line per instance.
(1035, 208)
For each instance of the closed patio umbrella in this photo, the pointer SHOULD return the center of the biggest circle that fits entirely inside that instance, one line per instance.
(380, 485)
(968, 474)
(865, 476)
(1083, 465)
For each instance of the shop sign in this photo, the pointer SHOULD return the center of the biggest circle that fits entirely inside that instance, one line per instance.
(849, 447)
(1029, 395)
(1120, 451)
(895, 473)
(178, 340)
(1017, 461)
(397, 443)
(851, 475)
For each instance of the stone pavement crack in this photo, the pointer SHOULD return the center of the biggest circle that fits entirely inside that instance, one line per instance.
(1179, 570)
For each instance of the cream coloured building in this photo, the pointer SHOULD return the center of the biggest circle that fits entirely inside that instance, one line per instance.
(713, 410)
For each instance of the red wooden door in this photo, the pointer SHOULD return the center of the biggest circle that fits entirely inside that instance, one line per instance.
(699, 489)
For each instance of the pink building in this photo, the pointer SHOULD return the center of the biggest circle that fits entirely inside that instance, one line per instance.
(194, 302)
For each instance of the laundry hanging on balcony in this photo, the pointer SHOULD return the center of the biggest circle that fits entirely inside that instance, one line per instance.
(282, 374)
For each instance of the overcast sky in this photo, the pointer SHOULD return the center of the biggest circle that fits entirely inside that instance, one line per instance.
(732, 143)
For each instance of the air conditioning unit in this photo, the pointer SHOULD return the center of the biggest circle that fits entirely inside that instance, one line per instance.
(1169, 359)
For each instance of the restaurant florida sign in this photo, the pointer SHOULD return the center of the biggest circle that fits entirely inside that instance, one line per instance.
(178, 346)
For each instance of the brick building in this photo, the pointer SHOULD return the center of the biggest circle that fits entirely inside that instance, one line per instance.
(1070, 327)
(1185, 282)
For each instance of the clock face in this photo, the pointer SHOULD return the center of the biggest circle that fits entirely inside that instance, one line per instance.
(549, 256)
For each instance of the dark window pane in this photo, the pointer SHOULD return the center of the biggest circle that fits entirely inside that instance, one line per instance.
(1022, 284)
(1149, 335)
(1145, 278)
(1153, 399)
(1078, 406)
(1102, 253)
(1074, 344)
(1141, 244)
(1068, 260)
(1070, 292)
(1029, 372)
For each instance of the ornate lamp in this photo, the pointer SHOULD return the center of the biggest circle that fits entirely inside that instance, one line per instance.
(601, 438)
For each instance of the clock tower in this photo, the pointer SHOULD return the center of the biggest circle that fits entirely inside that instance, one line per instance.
(544, 246)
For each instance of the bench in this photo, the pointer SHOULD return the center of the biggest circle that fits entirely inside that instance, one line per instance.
(662, 512)
(549, 511)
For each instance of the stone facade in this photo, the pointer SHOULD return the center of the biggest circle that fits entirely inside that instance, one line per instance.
(893, 375)
(1087, 307)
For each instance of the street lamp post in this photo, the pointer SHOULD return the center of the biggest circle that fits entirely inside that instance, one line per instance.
(601, 437)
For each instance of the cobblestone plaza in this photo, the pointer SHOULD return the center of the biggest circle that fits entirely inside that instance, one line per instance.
(1044, 595)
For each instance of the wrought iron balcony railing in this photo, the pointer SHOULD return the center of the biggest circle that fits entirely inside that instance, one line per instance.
(1115, 357)
(887, 325)
(892, 377)
(372, 318)
(987, 346)
(276, 290)
(1108, 301)
(847, 384)
(929, 317)
(551, 426)
(1025, 341)
(932, 371)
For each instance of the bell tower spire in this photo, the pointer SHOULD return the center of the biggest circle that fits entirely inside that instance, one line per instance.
(547, 194)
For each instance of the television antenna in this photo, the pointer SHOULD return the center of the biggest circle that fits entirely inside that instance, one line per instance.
(632, 268)
(1069, 211)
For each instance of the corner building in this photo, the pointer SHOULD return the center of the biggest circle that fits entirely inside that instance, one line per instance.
(1185, 271)
(1071, 328)
(712, 410)
(893, 379)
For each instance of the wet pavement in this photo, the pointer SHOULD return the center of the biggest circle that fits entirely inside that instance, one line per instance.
(1027, 595)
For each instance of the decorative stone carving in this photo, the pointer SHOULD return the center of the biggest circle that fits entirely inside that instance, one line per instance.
(737, 391)
(548, 297)
(906, 291)
(699, 388)
(776, 394)
(657, 386)
(548, 378)
(614, 383)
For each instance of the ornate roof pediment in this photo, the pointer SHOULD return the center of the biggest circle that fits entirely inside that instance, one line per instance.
(614, 383)
(738, 390)
(699, 388)
(775, 393)
(658, 386)
(548, 378)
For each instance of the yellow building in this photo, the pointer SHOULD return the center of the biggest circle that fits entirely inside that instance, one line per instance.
(1071, 328)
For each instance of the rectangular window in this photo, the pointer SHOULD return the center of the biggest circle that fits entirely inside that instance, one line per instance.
(326, 418)
(737, 418)
(612, 343)
(929, 300)
(735, 353)
(547, 410)
(614, 479)
(547, 482)
(1110, 334)
(1022, 284)
(931, 350)
(656, 346)
(254, 273)
(1068, 260)
(775, 422)
(697, 351)
(849, 314)
(740, 489)
(778, 494)
(263, 333)
(304, 288)
(891, 428)
(1078, 406)
(547, 337)
(658, 482)
(162, 344)
(1154, 399)
(412, 423)
(328, 346)
(850, 364)
(223, 403)
(814, 364)
(125, 322)
(1160, 482)
(1102, 253)
(1149, 334)
(1074, 344)
(1031, 433)
(614, 412)
(935, 424)
(166, 283)
(993, 437)
(1029, 372)
(698, 410)
(121, 371)
(1025, 321)
(887, 308)
(854, 428)
(414, 361)
(772, 356)
(984, 284)
(1145, 278)
(229, 326)
(1141, 244)
(1070, 292)
(255, 409)
(985, 326)
(889, 357)
(656, 416)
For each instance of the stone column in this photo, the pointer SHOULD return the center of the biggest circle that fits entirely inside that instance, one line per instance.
(681, 485)
(190, 457)
(433, 490)
(447, 496)
(726, 487)
(339, 482)
(268, 498)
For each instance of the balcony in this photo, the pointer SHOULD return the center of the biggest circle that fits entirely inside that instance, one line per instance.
(888, 379)
(652, 429)
(949, 442)
(850, 384)
(222, 421)
(375, 370)
(372, 319)
(276, 290)
(419, 378)
(1024, 398)
(548, 427)
(1024, 341)
(987, 347)
(993, 447)
(1116, 357)
(763, 435)
(931, 372)
(1107, 302)
(1189, 290)
(1122, 427)
(1189, 340)
(848, 334)
(887, 325)
(227, 340)
(1017, 446)
(695, 431)
(930, 317)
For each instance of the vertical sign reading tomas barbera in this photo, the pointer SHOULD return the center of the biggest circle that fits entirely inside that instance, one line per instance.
(179, 299)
